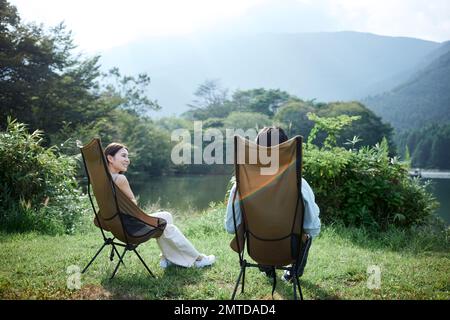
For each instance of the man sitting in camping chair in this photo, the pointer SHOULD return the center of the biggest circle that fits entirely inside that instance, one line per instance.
(271, 137)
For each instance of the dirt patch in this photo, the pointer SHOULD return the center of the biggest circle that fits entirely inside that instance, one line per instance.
(97, 292)
(92, 292)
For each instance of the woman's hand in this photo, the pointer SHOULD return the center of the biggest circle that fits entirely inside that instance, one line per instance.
(305, 237)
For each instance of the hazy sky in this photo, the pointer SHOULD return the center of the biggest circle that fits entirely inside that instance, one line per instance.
(103, 24)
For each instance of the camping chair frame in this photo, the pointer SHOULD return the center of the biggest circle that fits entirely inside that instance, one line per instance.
(107, 240)
(242, 261)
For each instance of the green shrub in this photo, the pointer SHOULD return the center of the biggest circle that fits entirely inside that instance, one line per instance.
(38, 190)
(364, 187)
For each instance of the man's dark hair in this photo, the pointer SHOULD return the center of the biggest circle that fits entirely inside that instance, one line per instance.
(266, 135)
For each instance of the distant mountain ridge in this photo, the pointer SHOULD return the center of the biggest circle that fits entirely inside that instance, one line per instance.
(326, 66)
(406, 75)
(423, 99)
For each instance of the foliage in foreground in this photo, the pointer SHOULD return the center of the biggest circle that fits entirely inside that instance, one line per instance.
(364, 187)
(38, 190)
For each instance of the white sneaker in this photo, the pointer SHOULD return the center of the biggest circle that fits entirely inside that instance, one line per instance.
(205, 261)
(164, 263)
(286, 276)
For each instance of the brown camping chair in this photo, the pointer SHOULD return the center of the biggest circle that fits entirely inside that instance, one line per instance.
(272, 208)
(117, 213)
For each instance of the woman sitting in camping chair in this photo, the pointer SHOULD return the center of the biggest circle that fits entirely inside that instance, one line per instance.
(175, 247)
(311, 222)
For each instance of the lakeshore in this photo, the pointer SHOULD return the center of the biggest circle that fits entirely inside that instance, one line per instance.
(429, 174)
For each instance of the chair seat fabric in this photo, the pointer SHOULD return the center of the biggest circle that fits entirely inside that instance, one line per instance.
(135, 227)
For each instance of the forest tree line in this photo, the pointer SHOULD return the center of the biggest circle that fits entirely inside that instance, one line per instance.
(46, 85)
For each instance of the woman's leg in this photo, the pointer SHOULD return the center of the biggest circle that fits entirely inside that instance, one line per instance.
(174, 245)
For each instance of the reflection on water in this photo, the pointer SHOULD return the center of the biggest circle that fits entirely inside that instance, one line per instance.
(441, 189)
(181, 192)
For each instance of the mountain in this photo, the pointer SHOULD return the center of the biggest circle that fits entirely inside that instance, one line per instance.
(325, 66)
(423, 99)
(400, 78)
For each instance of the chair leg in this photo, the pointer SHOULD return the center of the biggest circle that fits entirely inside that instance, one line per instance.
(92, 260)
(300, 290)
(114, 250)
(145, 265)
(237, 282)
(118, 264)
(294, 285)
(297, 281)
(243, 280)
(117, 252)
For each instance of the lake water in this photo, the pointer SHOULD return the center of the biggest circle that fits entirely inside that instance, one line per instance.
(441, 189)
(183, 192)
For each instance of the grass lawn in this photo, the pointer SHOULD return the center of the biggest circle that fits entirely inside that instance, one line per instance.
(413, 265)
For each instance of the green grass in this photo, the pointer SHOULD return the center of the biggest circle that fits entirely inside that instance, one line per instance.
(414, 265)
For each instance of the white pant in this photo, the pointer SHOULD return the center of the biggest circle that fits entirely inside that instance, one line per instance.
(173, 244)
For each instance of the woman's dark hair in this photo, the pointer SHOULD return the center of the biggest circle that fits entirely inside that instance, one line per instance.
(113, 148)
(266, 134)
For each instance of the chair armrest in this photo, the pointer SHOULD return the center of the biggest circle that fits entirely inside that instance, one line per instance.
(153, 221)
(104, 227)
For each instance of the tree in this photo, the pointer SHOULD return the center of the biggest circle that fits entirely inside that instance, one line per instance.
(209, 93)
(331, 125)
(422, 153)
(292, 116)
(246, 120)
(260, 100)
(429, 146)
(150, 146)
(369, 128)
(211, 101)
(129, 91)
(440, 153)
(44, 84)
(38, 75)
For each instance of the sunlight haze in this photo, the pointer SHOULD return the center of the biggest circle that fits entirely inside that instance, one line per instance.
(103, 24)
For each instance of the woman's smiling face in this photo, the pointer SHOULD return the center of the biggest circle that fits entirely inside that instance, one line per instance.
(119, 162)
